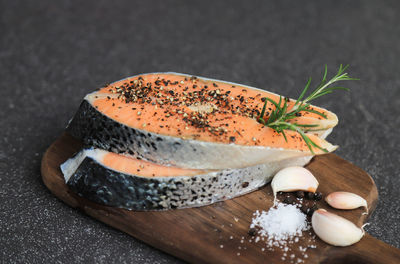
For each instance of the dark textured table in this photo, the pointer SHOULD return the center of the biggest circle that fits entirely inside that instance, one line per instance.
(54, 52)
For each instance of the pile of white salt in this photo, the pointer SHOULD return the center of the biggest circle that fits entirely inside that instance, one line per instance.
(280, 226)
(281, 223)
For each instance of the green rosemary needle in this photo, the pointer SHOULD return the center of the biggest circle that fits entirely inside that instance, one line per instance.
(279, 117)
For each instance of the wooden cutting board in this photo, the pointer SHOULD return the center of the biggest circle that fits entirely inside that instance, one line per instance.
(218, 233)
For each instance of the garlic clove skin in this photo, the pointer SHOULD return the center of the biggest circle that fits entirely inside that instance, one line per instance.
(294, 179)
(335, 230)
(345, 200)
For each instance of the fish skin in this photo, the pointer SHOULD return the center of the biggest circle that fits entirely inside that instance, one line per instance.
(96, 129)
(92, 180)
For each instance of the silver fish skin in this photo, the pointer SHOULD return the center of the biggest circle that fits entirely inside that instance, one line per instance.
(85, 174)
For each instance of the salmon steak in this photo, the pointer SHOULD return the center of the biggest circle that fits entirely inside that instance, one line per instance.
(184, 121)
(119, 181)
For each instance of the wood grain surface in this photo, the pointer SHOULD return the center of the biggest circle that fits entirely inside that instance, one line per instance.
(218, 233)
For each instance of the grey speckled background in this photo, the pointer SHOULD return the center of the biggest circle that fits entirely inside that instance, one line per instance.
(54, 52)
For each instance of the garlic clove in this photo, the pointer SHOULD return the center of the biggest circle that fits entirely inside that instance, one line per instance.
(346, 200)
(294, 179)
(335, 230)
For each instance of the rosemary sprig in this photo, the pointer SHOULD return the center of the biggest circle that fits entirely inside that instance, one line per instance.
(279, 117)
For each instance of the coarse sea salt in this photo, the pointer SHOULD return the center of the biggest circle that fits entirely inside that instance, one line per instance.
(280, 224)
(280, 227)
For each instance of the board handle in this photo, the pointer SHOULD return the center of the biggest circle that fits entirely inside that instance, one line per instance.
(367, 250)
